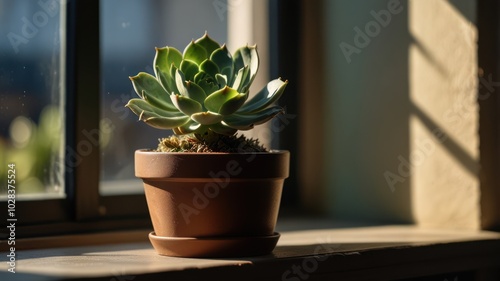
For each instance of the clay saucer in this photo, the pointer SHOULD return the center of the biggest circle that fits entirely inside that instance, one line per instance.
(214, 247)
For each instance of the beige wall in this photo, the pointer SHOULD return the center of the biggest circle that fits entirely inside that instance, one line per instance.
(443, 90)
(401, 141)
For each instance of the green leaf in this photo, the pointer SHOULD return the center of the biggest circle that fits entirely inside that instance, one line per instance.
(186, 105)
(247, 56)
(190, 127)
(195, 92)
(221, 80)
(167, 56)
(210, 68)
(215, 101)
(179, 82)
(208, 43)
(265, 97)
(200, 76)
(195, 53)
(206, 118)
(240, 78)
(150, 89)
(171, 80)
(156, 117)
(166, 122)
(189, 68)
(233, 104)
(166, 81)
(224, 61)
(208, 86)
(228, 72)
(222, 129)
(163, 61)
(143, 109)
(248, 121)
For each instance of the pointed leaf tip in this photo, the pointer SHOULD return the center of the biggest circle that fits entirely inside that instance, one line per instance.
(206, 118)
(186, 105)
(195, 52)
(218, 98)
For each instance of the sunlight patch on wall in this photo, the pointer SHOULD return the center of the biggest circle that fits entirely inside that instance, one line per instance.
(444, 143)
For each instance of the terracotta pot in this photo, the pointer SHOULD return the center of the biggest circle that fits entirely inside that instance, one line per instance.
(206, 198)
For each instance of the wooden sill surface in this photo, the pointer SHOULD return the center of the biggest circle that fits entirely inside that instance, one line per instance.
(354, 253)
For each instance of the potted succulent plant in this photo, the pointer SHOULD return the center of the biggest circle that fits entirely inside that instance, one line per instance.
(210, 192)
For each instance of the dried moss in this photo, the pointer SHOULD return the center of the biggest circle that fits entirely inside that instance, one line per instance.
(210, 143)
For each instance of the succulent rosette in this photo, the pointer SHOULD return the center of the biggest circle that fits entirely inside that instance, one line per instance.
(203, 89)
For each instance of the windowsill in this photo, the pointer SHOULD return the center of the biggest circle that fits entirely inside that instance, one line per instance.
(357, 253)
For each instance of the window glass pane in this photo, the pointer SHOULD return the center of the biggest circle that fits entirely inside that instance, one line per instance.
(31, 134)
(130, 30)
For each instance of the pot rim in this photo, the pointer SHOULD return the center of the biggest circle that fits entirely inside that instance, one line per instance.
(151, 151)
(252, 165)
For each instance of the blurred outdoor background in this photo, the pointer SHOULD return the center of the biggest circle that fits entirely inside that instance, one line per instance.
(383, 106)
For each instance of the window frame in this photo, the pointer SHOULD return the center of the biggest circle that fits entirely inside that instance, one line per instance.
(488, 52)
(83, 187)
(285, 31)
(84, 209)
